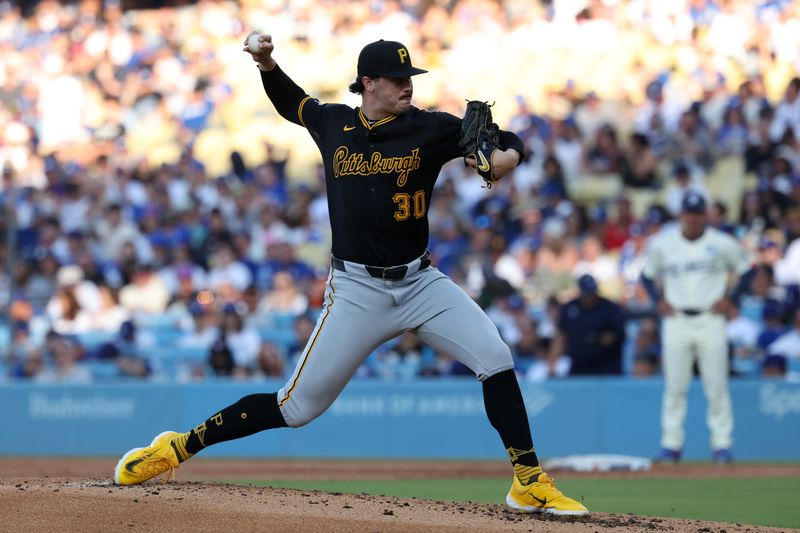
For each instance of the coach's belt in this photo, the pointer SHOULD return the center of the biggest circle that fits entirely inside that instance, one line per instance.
(691, 312)
(392, 273)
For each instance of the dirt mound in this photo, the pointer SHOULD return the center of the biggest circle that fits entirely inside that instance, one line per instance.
(204, 469)
(93, 504)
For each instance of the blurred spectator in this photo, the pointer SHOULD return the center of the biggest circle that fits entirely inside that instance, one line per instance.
(631, 261)
(271, 362)
(742, 334)
(124, 155)
(647, 348)
(243, 341)
(733, 135)
(718, 217)
(638, 163)
(787, 270)
(66, 368)
(788, 343)
(684, 183)
(228, 271)
(774, 366)
(220, 359)
(645, 366)
(591, 332)
(617, 231)
(269, 229)
(598, 264)
(39, 282)
(146, 293)
(110, 314)
(692, 142)
(114, 231)
(129, 350)
(201, 329)
(773, 326)
(284, 298)
(509, 314)
(605, 156)
(72, 307)
(402, 361)
(303, 328)
(21, 344)
(787, 113)
(31, 367)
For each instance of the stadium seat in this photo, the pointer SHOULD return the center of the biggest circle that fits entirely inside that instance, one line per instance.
(641, 199)
(590, 189)
(281, 337)
(103, 370)
(167, 337)
(726, 181)
(92, 340)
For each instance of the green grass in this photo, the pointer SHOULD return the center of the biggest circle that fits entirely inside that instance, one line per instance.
(761, 501)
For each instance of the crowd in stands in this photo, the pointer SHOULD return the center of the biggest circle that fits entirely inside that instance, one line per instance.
(161, 221)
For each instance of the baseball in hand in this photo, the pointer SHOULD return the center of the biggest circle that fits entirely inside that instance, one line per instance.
(253, 43)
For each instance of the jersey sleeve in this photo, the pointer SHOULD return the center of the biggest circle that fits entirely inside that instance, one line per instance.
(653, 262)
(511, 140)
(284, 93)
(450, 128)
(293, 104)
(735, 256)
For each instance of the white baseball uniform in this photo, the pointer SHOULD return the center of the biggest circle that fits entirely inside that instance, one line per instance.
(695, 275)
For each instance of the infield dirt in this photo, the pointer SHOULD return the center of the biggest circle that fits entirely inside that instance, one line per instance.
(75, 498)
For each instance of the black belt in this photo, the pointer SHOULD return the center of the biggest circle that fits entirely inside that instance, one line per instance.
(691, 312)
(393, 273)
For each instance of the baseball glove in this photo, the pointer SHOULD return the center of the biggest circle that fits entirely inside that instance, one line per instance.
(480, 137)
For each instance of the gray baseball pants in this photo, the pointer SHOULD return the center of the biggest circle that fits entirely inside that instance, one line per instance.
(361, 312)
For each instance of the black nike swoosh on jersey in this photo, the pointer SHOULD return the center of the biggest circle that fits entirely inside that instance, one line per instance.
(130, 464)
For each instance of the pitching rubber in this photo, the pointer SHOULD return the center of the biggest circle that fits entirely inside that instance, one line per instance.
(121, 462)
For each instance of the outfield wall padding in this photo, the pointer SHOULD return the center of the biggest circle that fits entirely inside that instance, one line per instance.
(416, 420)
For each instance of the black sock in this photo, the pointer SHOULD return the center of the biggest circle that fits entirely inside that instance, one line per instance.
(249, 415)
(506, 411)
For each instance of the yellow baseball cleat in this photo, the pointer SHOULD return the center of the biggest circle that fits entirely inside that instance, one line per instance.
(542, 495)
(141, 464)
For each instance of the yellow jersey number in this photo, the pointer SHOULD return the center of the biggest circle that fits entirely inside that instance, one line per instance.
(408, 205)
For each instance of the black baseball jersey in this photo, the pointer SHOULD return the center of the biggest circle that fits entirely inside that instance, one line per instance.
(379, 176)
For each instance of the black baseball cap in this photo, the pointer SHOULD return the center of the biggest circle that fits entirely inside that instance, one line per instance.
(693, 202)
(388, 59)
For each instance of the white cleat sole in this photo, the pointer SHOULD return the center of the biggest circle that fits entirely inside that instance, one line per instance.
(121, 462)
(511, 502)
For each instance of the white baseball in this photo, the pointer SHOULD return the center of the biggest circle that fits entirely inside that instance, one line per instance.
(253, 43)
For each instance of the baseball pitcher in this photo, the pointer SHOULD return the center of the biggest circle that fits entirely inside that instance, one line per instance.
(381, 161)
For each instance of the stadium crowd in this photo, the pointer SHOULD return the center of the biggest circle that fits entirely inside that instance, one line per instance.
(160, 221)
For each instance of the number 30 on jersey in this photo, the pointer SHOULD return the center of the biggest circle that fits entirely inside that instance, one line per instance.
(408, 204)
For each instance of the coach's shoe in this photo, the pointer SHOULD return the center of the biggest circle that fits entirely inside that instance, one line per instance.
(542, 495)
(723, 456)
(667, 455)
(141, 464)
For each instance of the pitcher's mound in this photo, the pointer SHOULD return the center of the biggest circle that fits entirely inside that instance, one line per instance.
(80, 505)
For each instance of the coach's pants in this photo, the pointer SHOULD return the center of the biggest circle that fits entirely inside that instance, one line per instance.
(686, 339)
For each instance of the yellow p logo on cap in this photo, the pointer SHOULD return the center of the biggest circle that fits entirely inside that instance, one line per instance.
(403, 53)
